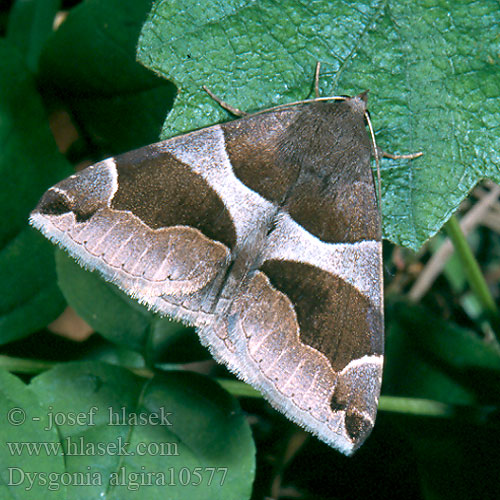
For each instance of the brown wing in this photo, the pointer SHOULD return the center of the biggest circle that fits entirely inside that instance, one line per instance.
(264, 233)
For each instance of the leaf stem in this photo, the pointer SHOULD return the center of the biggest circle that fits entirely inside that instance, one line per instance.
(471, 267)
(25, 365)
(415, 406)
(394, 404)
(239, 389)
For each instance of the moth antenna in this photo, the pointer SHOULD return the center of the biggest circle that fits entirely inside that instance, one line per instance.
(377, 162)
(410, 156)
(316, 79)
(305, 101)
(224, 104)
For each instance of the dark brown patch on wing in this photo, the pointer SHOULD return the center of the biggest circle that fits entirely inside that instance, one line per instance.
(334, 317)
(356, 393)
(57, 203)
(314, 160)
(334, 215)
(357, 426)
(83, 194)
(334, 197)
(253, 146)
(164, 192)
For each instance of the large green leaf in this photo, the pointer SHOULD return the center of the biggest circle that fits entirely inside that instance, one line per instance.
(176, 428)
(29, 164)
(30, 24)
(430, 358)
(118, 103)
(25, 429)
(432, 69)
(92, 430)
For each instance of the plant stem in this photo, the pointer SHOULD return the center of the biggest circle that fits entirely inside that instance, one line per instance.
(471, 267)
(415, 406)
(394, 404)
(24, 365)
(239, 389)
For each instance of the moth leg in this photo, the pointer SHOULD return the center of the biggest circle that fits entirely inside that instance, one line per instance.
(223, 104)
(316, 79)
(410, 156)
(380, 153)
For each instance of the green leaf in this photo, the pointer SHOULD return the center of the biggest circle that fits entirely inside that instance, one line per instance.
(30, 24)
(444, 452)
(432, 71)
(431, 358)
(29, 164)
(428, 357)
(202, 428)
(119, 104)
(25, 422)
(253, 54)
(32, 298)
(112, 313)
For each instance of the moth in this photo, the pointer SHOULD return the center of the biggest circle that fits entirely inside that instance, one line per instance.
(264, 233)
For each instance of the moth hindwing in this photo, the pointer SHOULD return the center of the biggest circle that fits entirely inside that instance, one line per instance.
(263, 233)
